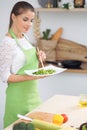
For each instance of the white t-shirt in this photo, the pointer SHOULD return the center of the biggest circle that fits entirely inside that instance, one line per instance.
(12, 57)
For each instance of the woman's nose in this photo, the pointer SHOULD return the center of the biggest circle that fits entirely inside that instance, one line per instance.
(30, 23)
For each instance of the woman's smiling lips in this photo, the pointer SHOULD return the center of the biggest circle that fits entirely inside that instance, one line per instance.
(26, 28)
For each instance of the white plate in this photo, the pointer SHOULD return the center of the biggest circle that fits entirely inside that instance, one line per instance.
(57, 70)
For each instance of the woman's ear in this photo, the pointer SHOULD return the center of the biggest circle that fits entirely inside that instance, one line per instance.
(13, 17)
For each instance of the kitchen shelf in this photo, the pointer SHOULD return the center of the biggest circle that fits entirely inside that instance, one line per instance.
(61, 10)
(47, 10)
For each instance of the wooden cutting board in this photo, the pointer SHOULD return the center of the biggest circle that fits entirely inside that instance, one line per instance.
(39, 115)
(42, 116)
(45, 117)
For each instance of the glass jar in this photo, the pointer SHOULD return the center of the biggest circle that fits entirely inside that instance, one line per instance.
(83, 100)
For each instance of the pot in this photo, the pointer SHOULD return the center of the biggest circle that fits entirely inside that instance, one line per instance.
(73, 64)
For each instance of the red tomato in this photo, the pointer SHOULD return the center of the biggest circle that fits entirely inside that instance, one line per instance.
(65, 118)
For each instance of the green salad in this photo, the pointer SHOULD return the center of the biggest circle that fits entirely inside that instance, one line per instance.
(44, 72)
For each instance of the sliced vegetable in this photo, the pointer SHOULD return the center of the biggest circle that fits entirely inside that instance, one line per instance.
(42, 72)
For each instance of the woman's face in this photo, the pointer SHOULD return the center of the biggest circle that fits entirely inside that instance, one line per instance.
(23, 22)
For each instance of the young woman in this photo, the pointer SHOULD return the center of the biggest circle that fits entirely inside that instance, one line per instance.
(17, 55)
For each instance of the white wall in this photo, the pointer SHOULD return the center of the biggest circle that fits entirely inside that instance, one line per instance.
(73, 23)
(75, 28)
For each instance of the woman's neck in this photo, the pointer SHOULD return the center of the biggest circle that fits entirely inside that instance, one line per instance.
(17, 33)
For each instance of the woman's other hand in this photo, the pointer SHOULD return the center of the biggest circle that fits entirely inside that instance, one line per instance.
(41, 55)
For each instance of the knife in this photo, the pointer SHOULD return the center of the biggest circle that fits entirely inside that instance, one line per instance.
(23, 117)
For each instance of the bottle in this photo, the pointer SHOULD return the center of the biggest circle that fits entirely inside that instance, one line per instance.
(48, 4)
(59, 3)
(55, 3)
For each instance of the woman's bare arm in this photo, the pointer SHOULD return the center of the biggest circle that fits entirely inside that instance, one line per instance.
(20, 78)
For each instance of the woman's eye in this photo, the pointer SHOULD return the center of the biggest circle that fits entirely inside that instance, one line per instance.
(25, 19)
(32, 20)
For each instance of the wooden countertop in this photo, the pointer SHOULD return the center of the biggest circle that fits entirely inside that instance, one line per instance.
(63, 104)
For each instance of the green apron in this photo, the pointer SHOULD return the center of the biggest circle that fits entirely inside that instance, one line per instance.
(22, 97)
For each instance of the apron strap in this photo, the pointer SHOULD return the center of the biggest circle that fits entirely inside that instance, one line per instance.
(16, 39)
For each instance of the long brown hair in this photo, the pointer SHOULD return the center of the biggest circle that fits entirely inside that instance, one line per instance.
(19, 8)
